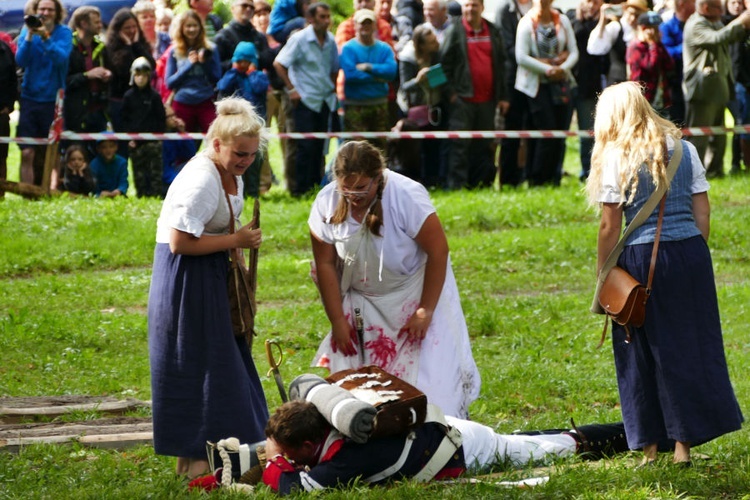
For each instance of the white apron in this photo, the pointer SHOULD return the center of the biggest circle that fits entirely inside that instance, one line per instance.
(441, 365)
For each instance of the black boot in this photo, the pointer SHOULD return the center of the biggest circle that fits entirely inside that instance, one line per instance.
(598, 441)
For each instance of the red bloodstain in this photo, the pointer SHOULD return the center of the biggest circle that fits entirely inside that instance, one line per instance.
(324, 361)
(352, 334)
(409, 308)
(383, 348)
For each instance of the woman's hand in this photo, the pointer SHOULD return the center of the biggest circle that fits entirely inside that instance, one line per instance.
(606, 14)
(560, 58)
(649, 35)
(422, 75)
(125, 38)
(194, 57)
(417, 325)
(555, 74)
(247, 237)
(100, 73)
(342, 335)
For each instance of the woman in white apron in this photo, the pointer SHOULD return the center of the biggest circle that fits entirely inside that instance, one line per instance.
(381, 262)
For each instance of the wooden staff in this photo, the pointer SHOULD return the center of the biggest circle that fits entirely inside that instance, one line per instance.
(252, 268)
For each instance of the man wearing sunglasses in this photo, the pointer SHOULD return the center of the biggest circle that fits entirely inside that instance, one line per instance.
(241, 29)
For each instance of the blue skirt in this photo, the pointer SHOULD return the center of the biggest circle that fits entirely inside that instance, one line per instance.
(672, 375)
(204, 385)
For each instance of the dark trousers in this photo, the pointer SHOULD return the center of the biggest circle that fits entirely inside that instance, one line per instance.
(147, 168)
(435, 152)
(677, 110)
(288, 146)
(710, 148)
(548, 155)
(471, 163)
(4, 132)
(513, 165)
(309, 165)
(585, 108)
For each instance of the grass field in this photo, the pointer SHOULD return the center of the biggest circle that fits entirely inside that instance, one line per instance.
(74, 278)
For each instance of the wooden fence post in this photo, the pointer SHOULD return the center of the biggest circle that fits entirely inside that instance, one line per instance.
(52, 155)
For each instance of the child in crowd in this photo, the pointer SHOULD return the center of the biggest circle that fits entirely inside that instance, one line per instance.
(77, 178)
(163, 20)
(650, 63)
(110, 170)
(143, 111)
(286, 17)
(175, 153)
(245, 79)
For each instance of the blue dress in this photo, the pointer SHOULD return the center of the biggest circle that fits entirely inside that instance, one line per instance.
(672, 375)
(203, 381)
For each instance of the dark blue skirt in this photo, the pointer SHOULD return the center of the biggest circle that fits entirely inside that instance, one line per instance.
(204, 385)
(672, 375)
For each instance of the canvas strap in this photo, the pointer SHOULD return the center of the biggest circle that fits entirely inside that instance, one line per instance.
(638, 220)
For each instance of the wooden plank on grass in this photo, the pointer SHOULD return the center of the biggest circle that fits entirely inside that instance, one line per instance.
(107, 441)
(116, 433)
(117, 441)
(14, 410)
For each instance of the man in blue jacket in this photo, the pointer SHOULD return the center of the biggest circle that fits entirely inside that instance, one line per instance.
(368, 64)
(43, 53)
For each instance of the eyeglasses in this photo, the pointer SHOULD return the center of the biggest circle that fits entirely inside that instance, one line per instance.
(347, 193)
(246, 6)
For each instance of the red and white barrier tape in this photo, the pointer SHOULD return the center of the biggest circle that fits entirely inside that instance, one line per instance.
(462, 134)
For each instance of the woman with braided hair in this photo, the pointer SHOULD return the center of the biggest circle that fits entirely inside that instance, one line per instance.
(381, 254)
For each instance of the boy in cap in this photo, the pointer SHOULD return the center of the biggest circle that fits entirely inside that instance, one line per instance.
(245, 79)
(143, 111)
(109, 169)
(650, 63)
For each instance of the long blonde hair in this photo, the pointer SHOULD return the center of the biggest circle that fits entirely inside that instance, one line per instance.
(628, 130)
(363, 159)
(181, 47)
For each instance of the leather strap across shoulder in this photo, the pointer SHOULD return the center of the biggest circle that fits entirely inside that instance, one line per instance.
(638, 220)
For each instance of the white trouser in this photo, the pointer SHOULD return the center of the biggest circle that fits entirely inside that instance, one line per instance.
(483, 447)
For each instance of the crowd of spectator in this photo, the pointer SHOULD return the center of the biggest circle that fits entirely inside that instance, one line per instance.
(410, 65)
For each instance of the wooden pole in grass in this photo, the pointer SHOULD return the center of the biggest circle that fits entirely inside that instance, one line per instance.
(51, 156)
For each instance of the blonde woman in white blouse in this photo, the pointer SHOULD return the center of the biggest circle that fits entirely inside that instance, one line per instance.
(203, 381)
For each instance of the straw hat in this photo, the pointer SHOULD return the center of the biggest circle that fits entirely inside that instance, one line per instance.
(640, 5)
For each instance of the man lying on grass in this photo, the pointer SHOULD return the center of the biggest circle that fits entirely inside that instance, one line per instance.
(306, 453)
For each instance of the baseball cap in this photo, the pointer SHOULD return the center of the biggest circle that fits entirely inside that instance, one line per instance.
(364, 14)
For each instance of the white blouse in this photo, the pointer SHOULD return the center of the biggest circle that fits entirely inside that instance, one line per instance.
(195, 202)
(610, 192)
(406, 205)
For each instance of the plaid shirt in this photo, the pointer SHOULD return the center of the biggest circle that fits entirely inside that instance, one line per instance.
(651, 65)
